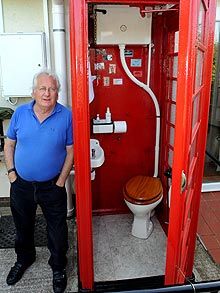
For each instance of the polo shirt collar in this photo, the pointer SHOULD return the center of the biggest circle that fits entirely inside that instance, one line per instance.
(57, 107)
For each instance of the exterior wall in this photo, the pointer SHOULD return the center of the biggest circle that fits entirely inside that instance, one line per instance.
(18, 16)
(218, 10)
(23, 16)
(27, 16)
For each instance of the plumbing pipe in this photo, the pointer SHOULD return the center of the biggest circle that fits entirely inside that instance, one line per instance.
(149, 64)
(154, 99)
(47, 32)
(158, 10)
(59, 45)
(60, 48)
(1, 18)
(205, 286)
(70, 207)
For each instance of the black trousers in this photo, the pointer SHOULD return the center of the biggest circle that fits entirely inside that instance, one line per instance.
(24, 198)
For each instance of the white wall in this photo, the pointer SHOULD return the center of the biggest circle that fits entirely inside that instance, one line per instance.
(27, 16)
(18, 16)
(21, 16)
(218, 10)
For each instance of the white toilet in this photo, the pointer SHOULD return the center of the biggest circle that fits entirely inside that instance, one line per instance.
(142, 194)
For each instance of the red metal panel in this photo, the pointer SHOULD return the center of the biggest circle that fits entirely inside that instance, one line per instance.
(130, 103)
(149, 2)
(78, 49)
(190, 135)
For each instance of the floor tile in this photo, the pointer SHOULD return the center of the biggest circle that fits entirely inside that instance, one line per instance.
(215, 254)
(203, 228)
(216, 195)
(209, 224)
(210, 242)
(207, 196)
(214, 204)
(131, 257)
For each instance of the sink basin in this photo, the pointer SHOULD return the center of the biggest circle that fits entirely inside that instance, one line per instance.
(96, 154)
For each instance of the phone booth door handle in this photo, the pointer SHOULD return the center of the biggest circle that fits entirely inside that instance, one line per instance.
(183, 182)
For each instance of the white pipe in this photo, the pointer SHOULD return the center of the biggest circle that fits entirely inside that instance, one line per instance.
(153, 97)
(60, 48)
(70, 207)
(2, 29)
(149, 65)
(47, 32)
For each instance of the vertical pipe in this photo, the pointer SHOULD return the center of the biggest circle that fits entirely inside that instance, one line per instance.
(149, 64)
(60, 48)
(156, 105)
(47, 32)
(1, 18)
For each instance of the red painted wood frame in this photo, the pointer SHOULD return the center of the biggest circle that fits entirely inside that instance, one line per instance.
(196, 32)
(78, 52)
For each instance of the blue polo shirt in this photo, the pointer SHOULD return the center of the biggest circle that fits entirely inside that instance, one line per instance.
(40, 149)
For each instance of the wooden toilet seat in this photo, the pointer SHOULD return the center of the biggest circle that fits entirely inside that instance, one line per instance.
(143, 190)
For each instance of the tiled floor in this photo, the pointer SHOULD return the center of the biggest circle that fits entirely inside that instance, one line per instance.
(119, 255)
(209, 223)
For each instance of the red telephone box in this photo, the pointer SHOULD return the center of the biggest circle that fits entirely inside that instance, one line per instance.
(184, 112)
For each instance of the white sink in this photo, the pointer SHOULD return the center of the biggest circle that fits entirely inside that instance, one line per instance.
(96, 154)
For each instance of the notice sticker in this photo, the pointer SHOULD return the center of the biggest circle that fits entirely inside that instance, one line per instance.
(112, 68)
(136, 62)
(99, 66)
(117, 81)
(137, 73)
(129, 53)
(106, 81)
(109, 57)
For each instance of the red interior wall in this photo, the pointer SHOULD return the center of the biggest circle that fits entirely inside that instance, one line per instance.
(132, 153)
(126, 154)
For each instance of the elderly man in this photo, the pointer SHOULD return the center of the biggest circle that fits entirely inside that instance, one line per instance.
(39, 157)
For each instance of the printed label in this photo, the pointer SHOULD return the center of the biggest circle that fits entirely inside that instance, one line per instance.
(136, 62)
(129, 53)
(112, 68)
(99, 66)
(137, 73)
(109, 57)
(106, 81)
(117, 81)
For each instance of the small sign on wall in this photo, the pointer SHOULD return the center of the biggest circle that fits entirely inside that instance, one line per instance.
(136, 62)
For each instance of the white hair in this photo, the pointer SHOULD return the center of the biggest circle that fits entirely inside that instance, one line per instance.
(45, 72)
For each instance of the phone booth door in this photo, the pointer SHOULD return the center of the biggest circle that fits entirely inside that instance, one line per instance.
(196, 31)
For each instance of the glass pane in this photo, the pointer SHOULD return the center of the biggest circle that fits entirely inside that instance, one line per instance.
(201, 22)
(211, 168)
(172, 114)
(199, 68)
(175, 66)
(195, 114)
(170, 158)
(173, 93)
(176, 42)
(171, 140)
(193, 149)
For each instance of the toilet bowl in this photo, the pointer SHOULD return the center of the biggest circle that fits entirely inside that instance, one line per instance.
(142, 194)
